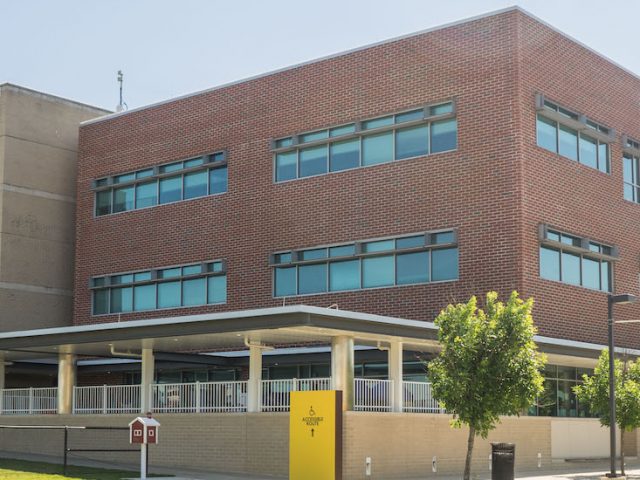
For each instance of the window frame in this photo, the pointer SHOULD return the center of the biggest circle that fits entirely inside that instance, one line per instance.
(359, 254)
(631, 150)
(294, 143)
(211, 161)
(582, 250)
(583, 126)
(155, 279)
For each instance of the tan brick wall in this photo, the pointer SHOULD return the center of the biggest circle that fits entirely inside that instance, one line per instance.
(403, 445)
(251, 443)
(400, 445)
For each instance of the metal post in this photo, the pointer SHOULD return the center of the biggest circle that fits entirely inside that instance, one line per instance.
(342, 369)
(612, 392)
(104, 399)
(254, 386)
(66, 450)
(198, 401)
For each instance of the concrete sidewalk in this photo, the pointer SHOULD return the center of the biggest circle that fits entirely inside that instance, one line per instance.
(568, 470)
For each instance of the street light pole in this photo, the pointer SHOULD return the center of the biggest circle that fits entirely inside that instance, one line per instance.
(611, 299)
(612, 392)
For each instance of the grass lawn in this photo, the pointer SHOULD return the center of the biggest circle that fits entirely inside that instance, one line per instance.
(22, 470)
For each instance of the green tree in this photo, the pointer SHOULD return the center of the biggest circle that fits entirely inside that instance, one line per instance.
(489, 364)
(594, 392)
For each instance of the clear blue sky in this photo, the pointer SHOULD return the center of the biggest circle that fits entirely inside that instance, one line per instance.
(73, 48)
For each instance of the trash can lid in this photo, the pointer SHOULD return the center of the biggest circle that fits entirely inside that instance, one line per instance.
(503, 446)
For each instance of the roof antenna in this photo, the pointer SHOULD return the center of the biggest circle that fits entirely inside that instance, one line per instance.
(122, 105)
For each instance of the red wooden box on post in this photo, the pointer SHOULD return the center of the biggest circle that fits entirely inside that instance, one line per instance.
(144, 431)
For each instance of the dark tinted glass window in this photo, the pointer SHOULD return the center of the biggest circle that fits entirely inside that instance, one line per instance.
(412, 268)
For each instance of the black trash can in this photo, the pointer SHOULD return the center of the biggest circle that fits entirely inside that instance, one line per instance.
(503, 460)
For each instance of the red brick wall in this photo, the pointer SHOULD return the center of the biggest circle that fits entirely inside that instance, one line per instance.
(571, 196)
(496, 188)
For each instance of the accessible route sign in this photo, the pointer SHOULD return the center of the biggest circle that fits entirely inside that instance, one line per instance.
(315, 435)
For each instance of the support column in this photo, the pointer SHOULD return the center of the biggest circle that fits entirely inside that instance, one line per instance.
(146, 380)
(66, 382)
(254, 386)
(342, 369)
(2, 375)
(396, 375)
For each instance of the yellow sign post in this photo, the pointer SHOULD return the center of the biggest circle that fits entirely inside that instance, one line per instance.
(315, 435)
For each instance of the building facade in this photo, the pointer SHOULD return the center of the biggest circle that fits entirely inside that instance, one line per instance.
(308, 225)
(38, 156)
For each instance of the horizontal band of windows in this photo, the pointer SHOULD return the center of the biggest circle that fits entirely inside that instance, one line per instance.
(217, 267)
(573, 119)
(160, 295)
(171, 188)
(216, 159)
(367, 149)
(371, 247)
(553, 237)
(373, 125)
(631, 176)
(575, 269)
(570, 143)
(170, 287)
(397, 269)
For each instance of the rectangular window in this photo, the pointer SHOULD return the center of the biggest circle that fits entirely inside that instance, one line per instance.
(378, 140)
(558, 399)
(313, 161)
(412, 142)
(344, 275)
(170, 189)
(122, 199)
(377, 148)
(631, 165)
(344, 155)
(372, 264)
(558, 130)
(195, 184)
(146, 194)
(103, 202)
(576, 261)
(149, 187)
(173, 287)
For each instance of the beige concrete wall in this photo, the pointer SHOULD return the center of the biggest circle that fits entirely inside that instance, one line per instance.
(23, 310)
(38, 152)
(580, 438)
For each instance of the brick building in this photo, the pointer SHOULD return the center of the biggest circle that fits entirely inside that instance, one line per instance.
(391, 180)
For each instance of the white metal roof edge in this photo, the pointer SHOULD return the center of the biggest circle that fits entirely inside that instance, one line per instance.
(581, 345)
(309, 62)
(260, 312)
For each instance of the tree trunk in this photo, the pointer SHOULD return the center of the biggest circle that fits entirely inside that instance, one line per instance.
(622, 451)
(467, 464)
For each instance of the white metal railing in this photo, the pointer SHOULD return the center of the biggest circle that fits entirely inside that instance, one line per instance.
(200, 397)
(29, 401)
(372, 395)
(105, 399)
(276, 393)
(418, 398)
